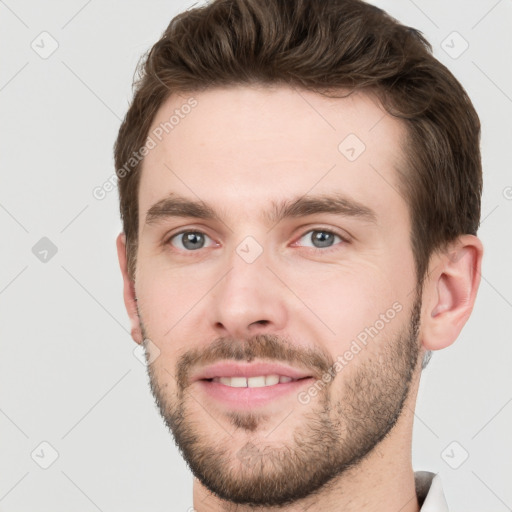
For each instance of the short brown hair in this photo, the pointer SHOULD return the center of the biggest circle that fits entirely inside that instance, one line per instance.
(321, 46)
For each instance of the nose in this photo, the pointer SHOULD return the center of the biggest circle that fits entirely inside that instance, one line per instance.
(248, 300)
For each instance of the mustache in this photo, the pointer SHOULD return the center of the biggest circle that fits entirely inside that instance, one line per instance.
(260, 346)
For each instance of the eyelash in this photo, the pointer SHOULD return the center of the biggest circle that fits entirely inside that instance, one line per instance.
(314, 249)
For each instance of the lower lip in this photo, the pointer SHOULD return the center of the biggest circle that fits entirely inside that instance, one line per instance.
(248, 398)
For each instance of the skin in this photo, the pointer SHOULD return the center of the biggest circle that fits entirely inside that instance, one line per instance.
(349, 447)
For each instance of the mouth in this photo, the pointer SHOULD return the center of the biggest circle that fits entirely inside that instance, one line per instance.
(259, 381)
(244, 386)
(255, 374)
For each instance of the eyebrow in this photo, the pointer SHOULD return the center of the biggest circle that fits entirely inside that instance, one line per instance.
(178, 206)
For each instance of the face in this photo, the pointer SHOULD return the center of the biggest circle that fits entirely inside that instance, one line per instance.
(276, 286)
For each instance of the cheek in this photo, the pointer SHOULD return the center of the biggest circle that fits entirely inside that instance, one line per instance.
(167, 301)
(348, 301)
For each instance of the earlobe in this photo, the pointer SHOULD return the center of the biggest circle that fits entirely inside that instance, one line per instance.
(130, 300)
(450, 293)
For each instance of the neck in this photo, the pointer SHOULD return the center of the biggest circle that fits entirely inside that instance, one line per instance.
(383, 481)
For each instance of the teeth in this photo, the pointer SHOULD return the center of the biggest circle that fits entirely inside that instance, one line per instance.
(270, 380)
(252, 382)
(256, 382)
(235, 382)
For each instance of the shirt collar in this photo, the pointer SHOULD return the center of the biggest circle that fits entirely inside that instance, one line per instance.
(430, 492)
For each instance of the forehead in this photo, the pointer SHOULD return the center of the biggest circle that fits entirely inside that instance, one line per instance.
(244, 147)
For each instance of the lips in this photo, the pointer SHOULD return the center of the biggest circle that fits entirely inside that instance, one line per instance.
(239, 371)
(245, 386)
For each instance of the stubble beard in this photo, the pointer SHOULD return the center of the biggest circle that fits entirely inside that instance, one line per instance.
(328, 438)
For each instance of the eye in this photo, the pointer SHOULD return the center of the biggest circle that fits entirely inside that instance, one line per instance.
(320, 238)
(188, 240)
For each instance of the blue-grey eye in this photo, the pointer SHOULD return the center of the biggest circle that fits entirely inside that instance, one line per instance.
(189, 240)
(320, 238)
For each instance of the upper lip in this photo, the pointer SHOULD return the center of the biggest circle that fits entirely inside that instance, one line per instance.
(238, 369)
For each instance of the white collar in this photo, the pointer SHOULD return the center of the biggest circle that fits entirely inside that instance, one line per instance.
(430, 492)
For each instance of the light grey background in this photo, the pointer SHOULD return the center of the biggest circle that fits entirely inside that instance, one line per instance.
(68, 374)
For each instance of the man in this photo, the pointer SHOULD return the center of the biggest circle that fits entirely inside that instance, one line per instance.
(300, 190)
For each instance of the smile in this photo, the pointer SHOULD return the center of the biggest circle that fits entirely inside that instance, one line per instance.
(259, 381)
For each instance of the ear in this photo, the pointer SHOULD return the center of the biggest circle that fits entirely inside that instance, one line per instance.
(450, 292)
(130, 300)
